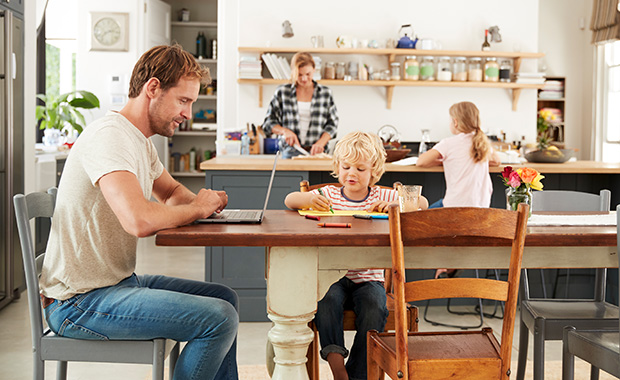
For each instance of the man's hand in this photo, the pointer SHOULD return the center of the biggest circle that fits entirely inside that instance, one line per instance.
(209, 200)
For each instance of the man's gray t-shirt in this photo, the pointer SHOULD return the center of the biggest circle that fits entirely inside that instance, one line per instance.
(88, 248)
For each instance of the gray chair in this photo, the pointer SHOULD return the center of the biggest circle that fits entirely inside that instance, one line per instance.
(598, 347)
(48, 346)
(546, 318)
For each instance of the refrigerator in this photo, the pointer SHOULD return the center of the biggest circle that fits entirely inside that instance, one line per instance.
(11, 145)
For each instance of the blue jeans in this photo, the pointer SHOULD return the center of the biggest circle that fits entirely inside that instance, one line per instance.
(438, 204)
(368, 300)
(147, 307)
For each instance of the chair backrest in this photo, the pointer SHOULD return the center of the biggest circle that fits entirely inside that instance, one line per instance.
(461, 226)
(27, 207)
(618, 246)
(562, 200)
(565, 200)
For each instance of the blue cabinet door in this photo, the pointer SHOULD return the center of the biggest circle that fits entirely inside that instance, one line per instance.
(243, 268)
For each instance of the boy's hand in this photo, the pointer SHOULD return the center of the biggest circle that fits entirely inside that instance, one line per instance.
(381, 206)
(320, 203)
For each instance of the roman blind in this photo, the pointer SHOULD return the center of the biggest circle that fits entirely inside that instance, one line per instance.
(605, 23)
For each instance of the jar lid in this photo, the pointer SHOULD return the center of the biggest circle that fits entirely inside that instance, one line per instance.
(506, 62)
(395, 64)
(491, 59)
(444, 58)
(475, 59)
(410, 57)
(460, 58)
(330, 63)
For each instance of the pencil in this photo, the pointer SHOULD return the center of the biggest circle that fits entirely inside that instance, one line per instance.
(330, 206)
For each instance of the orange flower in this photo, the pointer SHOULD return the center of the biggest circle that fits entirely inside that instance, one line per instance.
(527, 174)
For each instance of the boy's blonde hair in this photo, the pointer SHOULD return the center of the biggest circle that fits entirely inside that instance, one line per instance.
(358, 146)
(298, 61)
(468, 118)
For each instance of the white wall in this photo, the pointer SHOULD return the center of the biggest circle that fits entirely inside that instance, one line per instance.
(94, 68)
(458, 25)
(565, 36)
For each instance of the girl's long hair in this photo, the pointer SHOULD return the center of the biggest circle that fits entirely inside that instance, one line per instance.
(468, 120)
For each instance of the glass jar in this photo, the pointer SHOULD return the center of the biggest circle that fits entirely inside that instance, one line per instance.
(474, 70)
(330, 71)
(427, 68)
(491, 70)
(412, 68)
(395, 71)
(521, 194)
(340, 70)
(444, 69)
(504, 71)
(459, 69)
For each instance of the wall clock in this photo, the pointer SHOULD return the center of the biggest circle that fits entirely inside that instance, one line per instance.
(109, 31)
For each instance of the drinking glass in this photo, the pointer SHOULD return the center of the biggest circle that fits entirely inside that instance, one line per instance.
(409, 197)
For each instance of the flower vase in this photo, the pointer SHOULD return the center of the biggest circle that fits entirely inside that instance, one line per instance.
(521, 194)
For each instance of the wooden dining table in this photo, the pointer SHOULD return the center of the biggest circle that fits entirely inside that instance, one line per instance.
(303, 260)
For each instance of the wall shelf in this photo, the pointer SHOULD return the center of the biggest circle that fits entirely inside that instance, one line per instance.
(391, 55)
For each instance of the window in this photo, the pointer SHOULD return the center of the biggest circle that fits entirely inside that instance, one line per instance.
(611, 117)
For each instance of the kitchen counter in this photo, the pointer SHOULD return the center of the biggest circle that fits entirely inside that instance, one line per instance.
(265, 162)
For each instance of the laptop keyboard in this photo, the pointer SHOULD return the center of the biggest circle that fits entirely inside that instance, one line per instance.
(241, 214)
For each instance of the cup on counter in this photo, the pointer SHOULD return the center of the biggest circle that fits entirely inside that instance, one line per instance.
(317, 41)
(409, 197)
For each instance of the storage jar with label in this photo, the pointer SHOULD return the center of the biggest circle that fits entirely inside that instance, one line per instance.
(330, 71)
(491, 70)
(474, 72)
(395, 71)
(340, 70)
(504, 71)
(412, 68)
(459, 70)
(427, 68)
(444, 69)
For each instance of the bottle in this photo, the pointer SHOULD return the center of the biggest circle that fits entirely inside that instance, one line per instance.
(245, 144)
(330, 71)
(486, 46)
(504, 71)
(426, 139)
(444, 70)
(427, 68)
(459, 71)
(201, 46)
(395, 71)
(192, 159)
(474, 71)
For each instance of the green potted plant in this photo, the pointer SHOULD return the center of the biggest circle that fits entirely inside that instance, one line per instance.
(61, 113)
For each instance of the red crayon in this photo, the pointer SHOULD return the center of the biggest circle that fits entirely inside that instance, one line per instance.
(313, 217)
(337, 225)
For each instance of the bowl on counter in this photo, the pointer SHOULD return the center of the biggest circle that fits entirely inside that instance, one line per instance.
(396, 154)
(551, 156)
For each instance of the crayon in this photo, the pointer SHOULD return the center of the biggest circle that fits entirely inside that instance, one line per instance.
(330, 206)
(362, 216)
(313, 217)
(337, 225)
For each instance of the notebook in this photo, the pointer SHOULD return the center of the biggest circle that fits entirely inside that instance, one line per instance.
(244, 216)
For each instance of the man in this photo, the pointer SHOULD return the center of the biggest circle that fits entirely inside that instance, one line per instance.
(89, 288)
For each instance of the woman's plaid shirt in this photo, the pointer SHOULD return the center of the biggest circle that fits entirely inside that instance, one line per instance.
(283, 111)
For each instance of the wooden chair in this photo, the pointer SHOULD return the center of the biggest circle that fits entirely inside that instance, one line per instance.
(48, 346)
(598, 347)
(546, 318)
(349, 315)
(454, 354)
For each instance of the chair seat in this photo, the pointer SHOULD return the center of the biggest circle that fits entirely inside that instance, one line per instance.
(54, 347)
(443, 355)
(598, 347)
(563, 309)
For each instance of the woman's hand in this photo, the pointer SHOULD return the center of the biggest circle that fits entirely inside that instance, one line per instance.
(290, 137)
(381, 206)
(317, 149)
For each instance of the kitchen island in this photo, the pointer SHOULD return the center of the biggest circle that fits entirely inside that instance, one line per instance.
(245, 179)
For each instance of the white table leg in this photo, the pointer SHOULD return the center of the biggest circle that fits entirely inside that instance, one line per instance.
(292, 291)
(290, 338)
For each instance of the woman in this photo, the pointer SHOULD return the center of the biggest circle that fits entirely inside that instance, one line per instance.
(302, 112)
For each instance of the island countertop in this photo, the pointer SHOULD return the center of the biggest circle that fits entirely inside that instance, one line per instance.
(265, 162)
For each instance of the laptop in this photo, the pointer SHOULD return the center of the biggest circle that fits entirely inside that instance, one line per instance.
(243, 216)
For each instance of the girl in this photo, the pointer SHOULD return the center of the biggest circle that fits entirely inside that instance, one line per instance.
(466, 158)
(358, 163)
